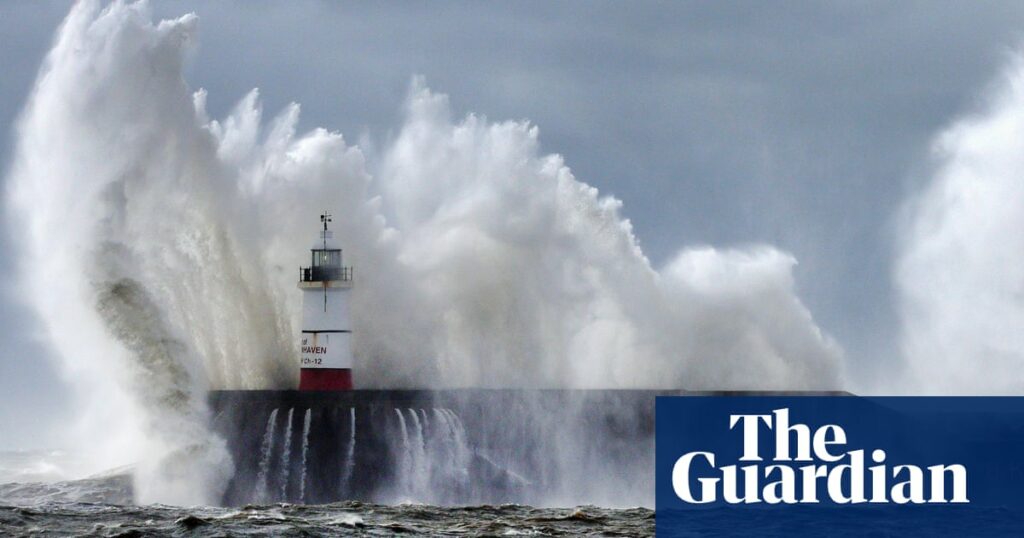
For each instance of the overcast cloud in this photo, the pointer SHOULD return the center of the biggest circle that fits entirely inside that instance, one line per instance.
(721, 123)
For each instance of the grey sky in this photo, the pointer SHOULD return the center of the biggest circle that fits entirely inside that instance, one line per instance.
(794, 124)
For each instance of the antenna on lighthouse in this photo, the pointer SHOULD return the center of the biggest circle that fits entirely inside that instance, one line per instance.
(325, 217)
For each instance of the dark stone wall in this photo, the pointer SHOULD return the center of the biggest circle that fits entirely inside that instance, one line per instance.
(467, 446)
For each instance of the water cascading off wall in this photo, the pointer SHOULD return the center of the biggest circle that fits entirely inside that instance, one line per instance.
(440, 447)
(427, 463)
(348, 465)
(305, 453)
(266, 452)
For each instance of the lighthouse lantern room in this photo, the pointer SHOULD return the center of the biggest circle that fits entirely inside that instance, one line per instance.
(326, 349)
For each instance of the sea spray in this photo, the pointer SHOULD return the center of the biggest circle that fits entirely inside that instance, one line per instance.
(960, 259)
(501, 266)
(189, 460)
(493, 265)
(68, 195)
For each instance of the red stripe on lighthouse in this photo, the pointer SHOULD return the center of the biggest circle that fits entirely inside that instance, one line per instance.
(325, 379)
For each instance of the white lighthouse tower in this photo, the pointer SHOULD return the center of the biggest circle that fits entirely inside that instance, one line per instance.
(326, 285)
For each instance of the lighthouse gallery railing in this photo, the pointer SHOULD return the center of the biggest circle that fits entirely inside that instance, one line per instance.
(325, 273)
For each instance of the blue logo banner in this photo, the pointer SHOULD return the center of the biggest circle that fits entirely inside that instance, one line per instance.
(839, 466)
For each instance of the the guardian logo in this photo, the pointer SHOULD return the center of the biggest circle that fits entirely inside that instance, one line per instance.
(810, 467)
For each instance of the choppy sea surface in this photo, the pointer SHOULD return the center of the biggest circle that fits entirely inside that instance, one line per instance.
(349, 518)
(101, 506)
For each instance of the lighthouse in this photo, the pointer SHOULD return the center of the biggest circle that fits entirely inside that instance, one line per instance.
(326, 348)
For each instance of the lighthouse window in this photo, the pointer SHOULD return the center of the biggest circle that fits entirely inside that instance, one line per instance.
(323, 258)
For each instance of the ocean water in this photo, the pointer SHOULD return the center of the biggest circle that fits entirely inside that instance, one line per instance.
(102, 506)
(348, 518)
(324, 520)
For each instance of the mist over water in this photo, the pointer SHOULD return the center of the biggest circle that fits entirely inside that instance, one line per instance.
(160, 246)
